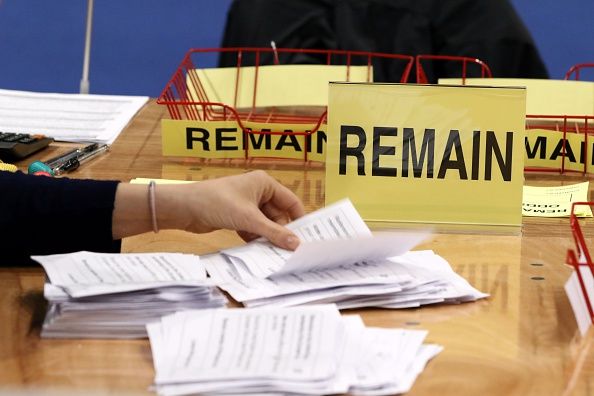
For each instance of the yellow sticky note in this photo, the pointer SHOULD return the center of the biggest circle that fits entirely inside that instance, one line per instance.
(555, 201)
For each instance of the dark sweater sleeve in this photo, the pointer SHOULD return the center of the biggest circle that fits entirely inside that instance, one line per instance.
(43, 215)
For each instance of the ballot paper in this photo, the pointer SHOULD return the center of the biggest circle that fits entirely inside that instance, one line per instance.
(330, 237)
(68, 117)
(98, 295)
(301, 350)
(579, 297)
(339, 261)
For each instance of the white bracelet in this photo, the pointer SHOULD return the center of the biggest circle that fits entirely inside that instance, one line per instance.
(152, 206)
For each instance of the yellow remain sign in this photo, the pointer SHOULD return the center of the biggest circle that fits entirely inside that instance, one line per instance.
(443, 155)
(226, 140)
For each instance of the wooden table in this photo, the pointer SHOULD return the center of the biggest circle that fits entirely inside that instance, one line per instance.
(522, 340)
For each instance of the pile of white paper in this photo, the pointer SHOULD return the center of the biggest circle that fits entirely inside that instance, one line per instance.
(301, 350)
(339, 261)
(68, 117)
(95, 295)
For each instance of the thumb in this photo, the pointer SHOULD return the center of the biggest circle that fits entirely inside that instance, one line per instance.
(277, 234)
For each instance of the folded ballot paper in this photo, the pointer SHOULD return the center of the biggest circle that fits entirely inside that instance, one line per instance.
(96, 295)
(300, 350)
(339, 261)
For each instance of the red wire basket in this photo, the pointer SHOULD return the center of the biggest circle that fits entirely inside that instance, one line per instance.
(565, 125)
(466, 64)
(186, 97)
(576, 70)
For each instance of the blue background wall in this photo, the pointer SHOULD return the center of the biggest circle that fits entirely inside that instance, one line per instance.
(137, 44)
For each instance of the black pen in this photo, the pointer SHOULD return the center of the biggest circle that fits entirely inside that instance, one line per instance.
(60, 159)
(75, 162)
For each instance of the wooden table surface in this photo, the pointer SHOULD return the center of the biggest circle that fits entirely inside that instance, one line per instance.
(522, 340)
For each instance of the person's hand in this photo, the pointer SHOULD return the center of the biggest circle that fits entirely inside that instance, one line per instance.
(254, 204)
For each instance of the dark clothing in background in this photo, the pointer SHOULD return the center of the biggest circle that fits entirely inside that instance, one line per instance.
(43, 215)
(489, 30)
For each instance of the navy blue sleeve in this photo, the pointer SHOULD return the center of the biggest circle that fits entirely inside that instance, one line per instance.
(44, 215)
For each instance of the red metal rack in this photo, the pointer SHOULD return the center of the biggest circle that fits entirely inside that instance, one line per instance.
(185, 96)
(566, 125)
(465, 64)
(575, 70)
(183, 105)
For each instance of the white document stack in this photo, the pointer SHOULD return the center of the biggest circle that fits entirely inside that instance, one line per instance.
(95, 295)
(68, 117)
(339, 261)
(300, 350)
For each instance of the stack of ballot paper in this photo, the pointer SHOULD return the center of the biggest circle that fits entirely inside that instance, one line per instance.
(95, 295)
(339, 261)
(301, 350)
(68, 117)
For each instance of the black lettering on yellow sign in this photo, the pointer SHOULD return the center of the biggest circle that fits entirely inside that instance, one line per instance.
(452, 160)
(228, 139)
(550, 211)
(562, 147)
(409, 150)
(543, 208)
(288, 139)
(191, 137)
(256, 140)
(221, 139)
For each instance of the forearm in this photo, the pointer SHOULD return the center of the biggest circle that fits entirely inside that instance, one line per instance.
(254, 204)
(132, 213)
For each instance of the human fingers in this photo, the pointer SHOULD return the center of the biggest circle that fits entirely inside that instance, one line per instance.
(274, 232)
(275, 214)
(284, 200)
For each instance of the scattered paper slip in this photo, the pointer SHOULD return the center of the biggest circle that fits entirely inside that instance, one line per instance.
(577, 298)
(101, 295)
(339, 261)
(555, 201)
(311, 350)
(68, 117)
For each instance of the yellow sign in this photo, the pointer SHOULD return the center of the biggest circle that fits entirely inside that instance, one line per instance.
(548, 149)
(225, 139)
(271, 85)
(428, 154)
(570, 97)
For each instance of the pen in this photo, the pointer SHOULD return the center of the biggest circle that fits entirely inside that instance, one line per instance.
(56, 161)
(53, 165)
(75, 162)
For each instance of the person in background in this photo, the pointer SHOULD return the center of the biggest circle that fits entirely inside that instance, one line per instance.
(490, 30)
(43, 215)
